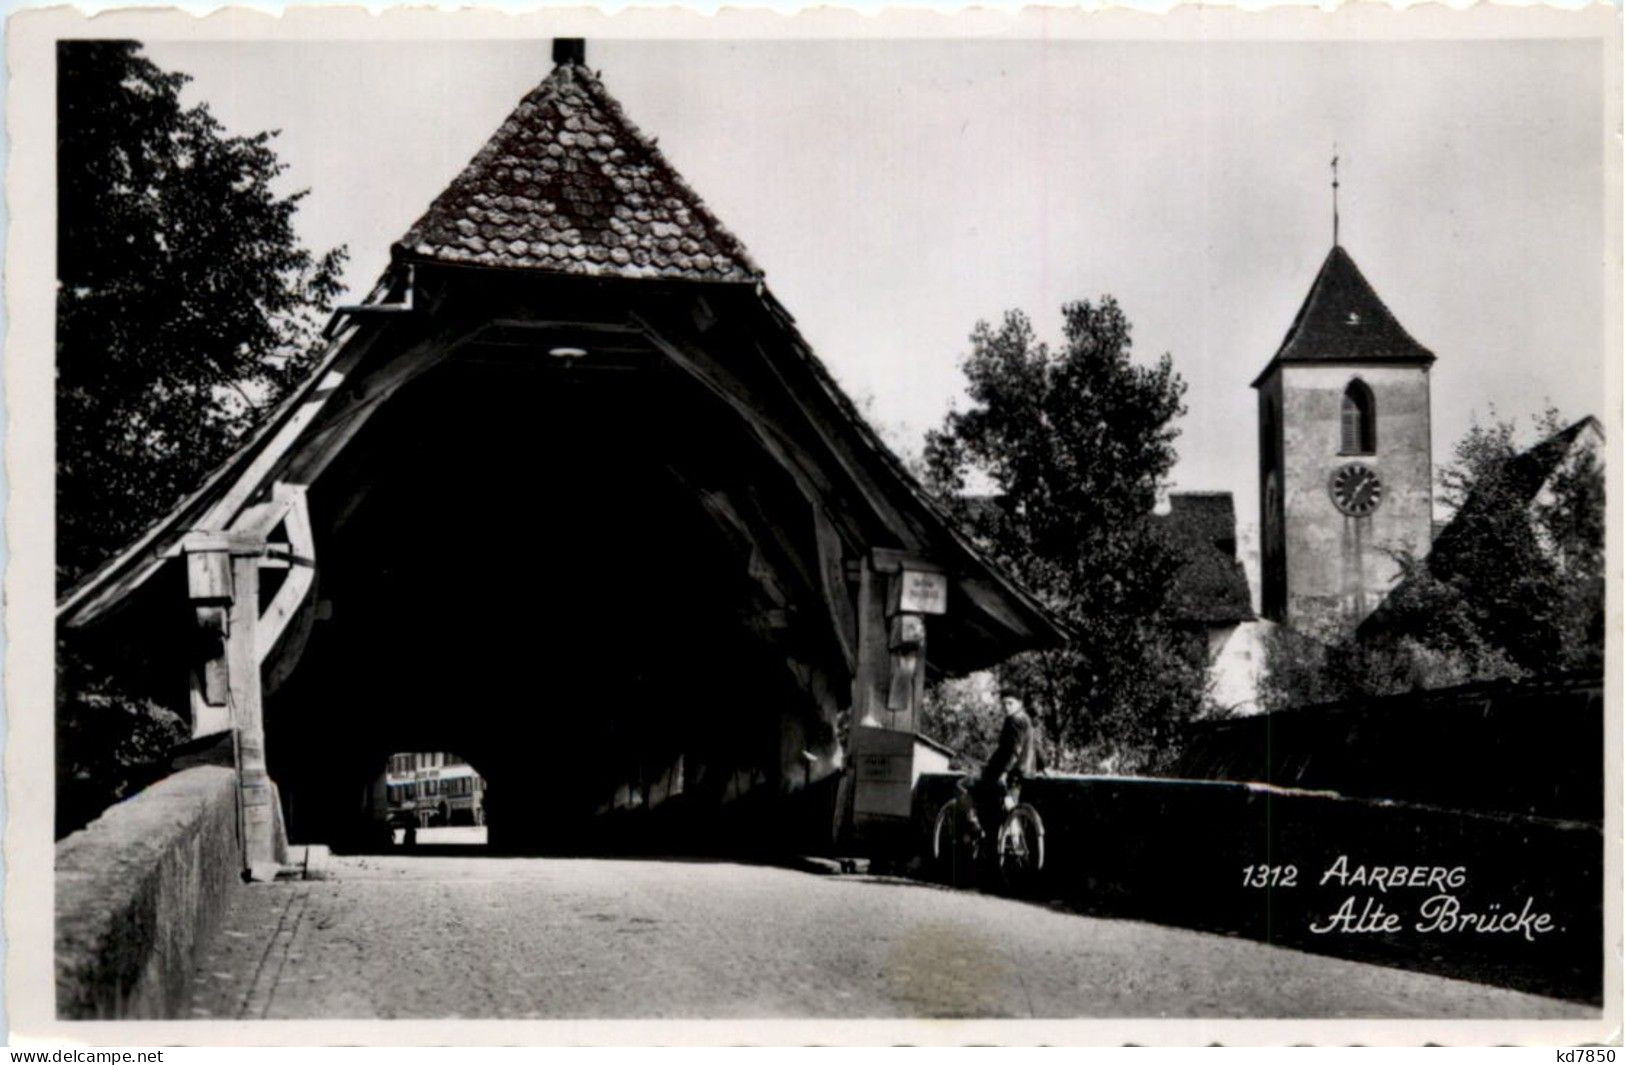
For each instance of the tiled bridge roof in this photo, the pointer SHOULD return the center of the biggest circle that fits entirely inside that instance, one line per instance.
(569, 184)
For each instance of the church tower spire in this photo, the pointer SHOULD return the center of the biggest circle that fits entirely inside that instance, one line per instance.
(1334, 196)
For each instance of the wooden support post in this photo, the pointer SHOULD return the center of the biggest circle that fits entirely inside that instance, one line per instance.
(888, 693)
(871, 682)
(256, 796)
(208, 580)
(905, 695)
(223, 578)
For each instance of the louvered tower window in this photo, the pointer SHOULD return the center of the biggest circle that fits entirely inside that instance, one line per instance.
(1359, 419)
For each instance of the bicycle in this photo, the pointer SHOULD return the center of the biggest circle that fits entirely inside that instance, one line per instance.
(959, 852)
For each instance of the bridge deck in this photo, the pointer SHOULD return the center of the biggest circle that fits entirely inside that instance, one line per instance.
(443, 936)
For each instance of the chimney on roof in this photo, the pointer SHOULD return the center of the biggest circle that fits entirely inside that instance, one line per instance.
(570, 50)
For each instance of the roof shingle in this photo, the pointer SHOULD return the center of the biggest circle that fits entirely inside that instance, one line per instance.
(568, 184)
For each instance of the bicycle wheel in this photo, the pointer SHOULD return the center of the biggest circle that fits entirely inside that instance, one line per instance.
(1021, 849)
(953, 847)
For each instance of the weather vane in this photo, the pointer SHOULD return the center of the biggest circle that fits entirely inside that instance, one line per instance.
(1334, 194)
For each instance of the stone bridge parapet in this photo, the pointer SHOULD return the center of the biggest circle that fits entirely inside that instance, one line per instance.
(138, 890)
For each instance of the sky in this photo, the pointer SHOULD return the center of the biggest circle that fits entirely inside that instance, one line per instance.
(895, 192)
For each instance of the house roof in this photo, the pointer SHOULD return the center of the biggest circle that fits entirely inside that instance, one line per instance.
(1344, 320)
(1523, 476)
(1528, 471)
(569, 184)
(1211, 585)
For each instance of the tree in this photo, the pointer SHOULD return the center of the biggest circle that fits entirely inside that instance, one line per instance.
(963, 714)
(186, 304)
(110, 743)
(1512, 587)
(1076, 442)
(1300, 671)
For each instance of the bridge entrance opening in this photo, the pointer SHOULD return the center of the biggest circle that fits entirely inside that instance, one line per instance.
(580, 579)
(428, 796)
(640, 564)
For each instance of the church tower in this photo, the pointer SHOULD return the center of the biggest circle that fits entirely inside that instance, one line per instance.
(1345, 457)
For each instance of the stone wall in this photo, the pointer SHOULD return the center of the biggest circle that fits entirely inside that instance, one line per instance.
(1533, 748)
(138, 891)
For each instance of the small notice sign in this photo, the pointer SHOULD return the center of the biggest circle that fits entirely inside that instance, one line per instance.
(923, 593)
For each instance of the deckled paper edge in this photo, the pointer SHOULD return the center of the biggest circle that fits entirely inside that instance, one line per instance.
(29, 584)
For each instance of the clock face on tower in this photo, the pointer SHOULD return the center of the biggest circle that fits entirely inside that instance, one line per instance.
(1356, 489)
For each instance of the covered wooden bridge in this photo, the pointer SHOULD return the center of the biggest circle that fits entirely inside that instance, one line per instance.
(568, 495)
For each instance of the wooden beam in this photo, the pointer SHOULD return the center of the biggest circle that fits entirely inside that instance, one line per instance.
(325, 443)
(700, 366)
(252, 479)
(994, 606)
(1037, 627)
(816, 491)
(832, 581)
(816, 485)
(350, 504)
(259, 520)
(285, 655)
(776, 533)
(816, 557)
(753, 532)
(834, 439)
(301, 578)
(148, 554)
(564, 325)
(891, 560)
(759, 567)
(540, 348)
(230, 541)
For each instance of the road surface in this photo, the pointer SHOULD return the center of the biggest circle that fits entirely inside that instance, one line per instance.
(486, 937)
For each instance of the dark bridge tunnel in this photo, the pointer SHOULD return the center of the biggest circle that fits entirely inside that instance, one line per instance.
(583, 580)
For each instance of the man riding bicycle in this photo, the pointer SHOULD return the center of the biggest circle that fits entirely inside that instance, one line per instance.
(1014, 759)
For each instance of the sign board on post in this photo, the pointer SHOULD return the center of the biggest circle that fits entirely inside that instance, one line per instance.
(885, 772)
(923, 592)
